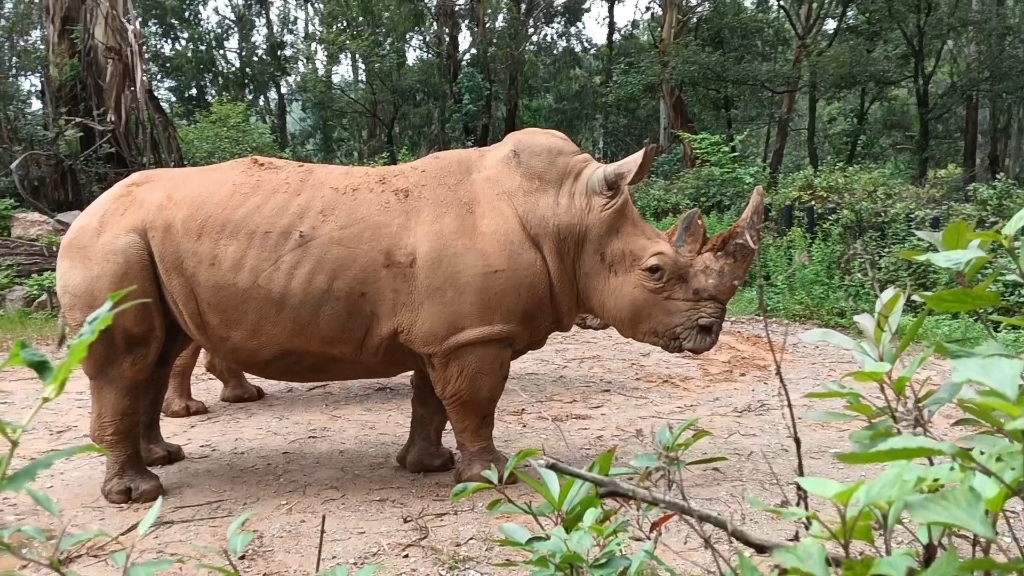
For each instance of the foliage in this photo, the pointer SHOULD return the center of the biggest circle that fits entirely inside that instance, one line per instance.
(227, 131)
(7, 207)
(40, 284)
(575, 531)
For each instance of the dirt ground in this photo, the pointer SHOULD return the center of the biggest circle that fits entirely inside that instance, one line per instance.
(308, 450)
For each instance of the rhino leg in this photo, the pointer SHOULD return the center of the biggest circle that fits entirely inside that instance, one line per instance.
(155, 450)
(469, 383)
(236, 386)
(129, 368)
(423, 451)
(179, 402)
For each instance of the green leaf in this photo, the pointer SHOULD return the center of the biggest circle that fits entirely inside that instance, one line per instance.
(515, 532)
(78, 347)
(912, 332)
(71, 540)
(823, 487)
(807, 557)
(119, 558)
(1004, 320)
(961, 300)
(998, 372)
(517, 459)
(368, 570)
(1013, 225)
(218, 569)
(467, 489)
(554, 487)
(828, 416)
(953, 259)
(830, 337)
(903, 447)
(957, 507)
(27, 474)
(151, 516)
(933, 238)
(43, 501)
(894, 565)
(339, 570)
(150, 567)
(1017, 424)
(238, 541)
(23, 354)
(956, 236)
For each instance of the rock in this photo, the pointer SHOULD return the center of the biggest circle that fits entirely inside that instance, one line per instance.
(68, 217)
(42, 303)
(33, 226)
(16, 298)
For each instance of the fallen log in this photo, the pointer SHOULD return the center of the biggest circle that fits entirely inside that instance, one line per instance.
(27, 258)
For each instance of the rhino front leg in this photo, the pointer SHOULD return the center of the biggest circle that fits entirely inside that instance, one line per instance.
(236, 386)
(423, 451)
(179, 403)
(469, 383)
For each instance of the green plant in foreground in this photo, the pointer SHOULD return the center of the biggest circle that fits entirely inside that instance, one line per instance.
(53, 550)
(576, 532)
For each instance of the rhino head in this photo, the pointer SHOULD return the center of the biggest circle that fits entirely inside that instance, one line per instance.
(666, 289)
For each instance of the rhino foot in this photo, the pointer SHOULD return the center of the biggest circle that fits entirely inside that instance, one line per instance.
(161, 453)
(471, 469)
(137, 486)
(426, 459)
(183, 407)
(245, 393)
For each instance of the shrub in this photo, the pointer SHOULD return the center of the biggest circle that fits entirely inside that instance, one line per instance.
(227, 131)
(39, 284)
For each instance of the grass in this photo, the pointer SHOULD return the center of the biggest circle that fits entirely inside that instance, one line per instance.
(34, 327)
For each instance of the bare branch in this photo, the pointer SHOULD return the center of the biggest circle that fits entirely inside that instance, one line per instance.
(613, 488)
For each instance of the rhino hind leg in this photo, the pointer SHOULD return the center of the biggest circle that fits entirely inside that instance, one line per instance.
(155, 450)
(179, 403)
(128, 367)
(236, 386)
(469, 383)
(423, 451)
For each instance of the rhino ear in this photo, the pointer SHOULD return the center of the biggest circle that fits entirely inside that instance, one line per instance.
(610, 178)
(689, 234)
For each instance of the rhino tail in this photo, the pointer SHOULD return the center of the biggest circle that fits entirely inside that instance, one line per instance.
(62, 332)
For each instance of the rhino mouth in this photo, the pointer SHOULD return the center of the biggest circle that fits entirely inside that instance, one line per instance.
(696, 338)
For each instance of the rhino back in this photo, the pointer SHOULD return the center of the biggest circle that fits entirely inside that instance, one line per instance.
(314, 272)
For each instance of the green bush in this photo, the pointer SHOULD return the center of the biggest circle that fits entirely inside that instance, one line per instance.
(227, 131)
(8, 206)
(41, 283)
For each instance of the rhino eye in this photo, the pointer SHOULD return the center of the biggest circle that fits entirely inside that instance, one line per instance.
(655, 271)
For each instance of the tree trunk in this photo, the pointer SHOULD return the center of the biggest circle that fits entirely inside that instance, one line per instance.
(812, 122)
(450, 29)
(730, 136)
(860, 122)
(922, 97)
(278, 71)
(521, 14)
(1015, 168)
(792, 88)
(970, 166)
(116, 114)
(609, 52)
(675, 113)
(483, 48)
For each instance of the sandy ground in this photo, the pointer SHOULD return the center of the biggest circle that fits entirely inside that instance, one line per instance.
(308, 450)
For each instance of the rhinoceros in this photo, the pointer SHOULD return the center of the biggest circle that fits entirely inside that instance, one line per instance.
(179, 403)
(450, 267)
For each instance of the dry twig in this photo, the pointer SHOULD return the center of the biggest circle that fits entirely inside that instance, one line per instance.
(608, 487)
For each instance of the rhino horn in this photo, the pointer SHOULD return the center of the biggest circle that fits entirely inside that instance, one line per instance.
(740, 242)
(689, 234)
(610, 178)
